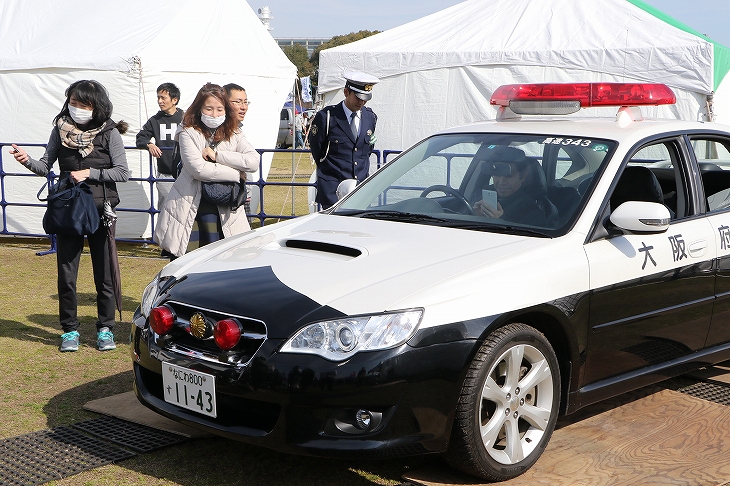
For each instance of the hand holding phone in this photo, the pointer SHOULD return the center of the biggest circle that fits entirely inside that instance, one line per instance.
(489, 197)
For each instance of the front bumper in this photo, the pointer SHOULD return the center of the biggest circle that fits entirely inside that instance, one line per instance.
(294, 402)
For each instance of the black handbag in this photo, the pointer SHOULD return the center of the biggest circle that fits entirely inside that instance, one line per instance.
(222, 193)
(70, 210)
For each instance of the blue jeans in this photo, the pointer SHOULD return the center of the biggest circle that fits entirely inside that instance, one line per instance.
(298, 140)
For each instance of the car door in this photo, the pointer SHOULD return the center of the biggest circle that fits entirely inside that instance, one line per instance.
(712, 152)
(651, 294)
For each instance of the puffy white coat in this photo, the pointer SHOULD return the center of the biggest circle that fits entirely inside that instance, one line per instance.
(234, 157)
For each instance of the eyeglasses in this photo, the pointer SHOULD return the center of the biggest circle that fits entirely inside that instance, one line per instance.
(239, 102)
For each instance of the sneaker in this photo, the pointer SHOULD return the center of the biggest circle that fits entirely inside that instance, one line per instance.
(69, 341)
(105, 340)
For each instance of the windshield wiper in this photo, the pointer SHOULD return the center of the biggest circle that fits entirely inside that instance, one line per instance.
(501, 228)
(398, 216)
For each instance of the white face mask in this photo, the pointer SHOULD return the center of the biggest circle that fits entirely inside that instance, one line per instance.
(212, 121)
(80, 116)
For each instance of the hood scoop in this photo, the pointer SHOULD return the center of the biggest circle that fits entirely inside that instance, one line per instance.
(324, 247)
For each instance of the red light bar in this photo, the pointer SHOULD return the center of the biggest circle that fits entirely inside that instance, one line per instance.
(587, 94)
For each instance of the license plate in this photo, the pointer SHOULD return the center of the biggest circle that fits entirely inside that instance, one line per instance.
(189, 389)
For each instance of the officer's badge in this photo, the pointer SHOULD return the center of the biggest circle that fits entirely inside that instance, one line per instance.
(369, 132)
(313, 130)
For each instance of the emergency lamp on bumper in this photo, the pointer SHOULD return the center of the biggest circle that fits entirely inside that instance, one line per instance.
(566, 98)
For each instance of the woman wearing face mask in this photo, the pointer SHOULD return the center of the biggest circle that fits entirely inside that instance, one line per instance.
(89, 148)
(212, 149)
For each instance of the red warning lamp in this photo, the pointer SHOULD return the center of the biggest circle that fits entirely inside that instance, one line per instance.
(227, 333)
(162, 319)
(564, 98)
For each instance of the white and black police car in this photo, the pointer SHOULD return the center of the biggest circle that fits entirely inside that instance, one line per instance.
(484, 282)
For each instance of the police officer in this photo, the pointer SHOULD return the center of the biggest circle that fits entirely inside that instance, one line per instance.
(342, 137)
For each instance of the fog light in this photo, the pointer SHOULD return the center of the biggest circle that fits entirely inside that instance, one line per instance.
(362, 419)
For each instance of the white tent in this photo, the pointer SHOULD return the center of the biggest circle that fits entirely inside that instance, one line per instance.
(131, 47)
(440, 71)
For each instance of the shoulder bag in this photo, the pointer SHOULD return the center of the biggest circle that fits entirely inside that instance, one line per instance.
(70, 208)
(222, 193)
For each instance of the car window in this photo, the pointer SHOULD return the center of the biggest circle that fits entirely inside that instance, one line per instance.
(713, 157)
(537, 181)
(444, 167)
(654, 173)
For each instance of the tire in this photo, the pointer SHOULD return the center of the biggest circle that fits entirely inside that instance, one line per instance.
(514, 407)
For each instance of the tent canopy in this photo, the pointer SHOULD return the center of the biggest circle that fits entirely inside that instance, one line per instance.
(131, 48)
(440, 70)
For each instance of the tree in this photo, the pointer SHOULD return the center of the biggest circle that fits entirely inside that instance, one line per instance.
(337, 40)
(299, 56)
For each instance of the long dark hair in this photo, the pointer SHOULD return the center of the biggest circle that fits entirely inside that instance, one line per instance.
(192, 114)
(93, 93)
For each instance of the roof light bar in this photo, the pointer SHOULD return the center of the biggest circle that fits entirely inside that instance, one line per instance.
(564, 98)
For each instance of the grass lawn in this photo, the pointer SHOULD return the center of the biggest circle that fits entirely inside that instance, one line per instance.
(284, 199)
(43, 388)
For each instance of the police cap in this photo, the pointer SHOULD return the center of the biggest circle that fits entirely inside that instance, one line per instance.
(361, 84)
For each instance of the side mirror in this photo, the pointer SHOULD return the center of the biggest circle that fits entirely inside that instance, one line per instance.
(345, 187)
(641, 217)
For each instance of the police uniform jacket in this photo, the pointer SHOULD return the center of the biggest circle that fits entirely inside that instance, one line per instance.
(338, 154)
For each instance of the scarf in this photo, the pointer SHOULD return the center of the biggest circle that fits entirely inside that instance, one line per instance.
(74, 138)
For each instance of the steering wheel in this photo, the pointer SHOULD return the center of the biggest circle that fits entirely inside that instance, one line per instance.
(452, 192)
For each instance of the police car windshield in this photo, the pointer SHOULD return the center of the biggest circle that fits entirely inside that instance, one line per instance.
(485, 181)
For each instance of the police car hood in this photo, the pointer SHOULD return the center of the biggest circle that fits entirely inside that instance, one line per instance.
(325, 266)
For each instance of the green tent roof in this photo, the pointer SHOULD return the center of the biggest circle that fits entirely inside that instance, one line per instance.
(721, 53)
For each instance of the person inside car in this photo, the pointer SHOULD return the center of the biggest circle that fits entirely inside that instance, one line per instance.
(510, 172)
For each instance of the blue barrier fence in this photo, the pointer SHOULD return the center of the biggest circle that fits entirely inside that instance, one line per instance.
(10, 168)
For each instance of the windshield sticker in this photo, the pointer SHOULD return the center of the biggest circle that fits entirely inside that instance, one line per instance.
(600, 147)
(567, 141)
(647, 255)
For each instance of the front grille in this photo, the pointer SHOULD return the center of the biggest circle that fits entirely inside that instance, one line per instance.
(254, 334)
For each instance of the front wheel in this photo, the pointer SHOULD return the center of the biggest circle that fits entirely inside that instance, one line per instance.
(508, 406)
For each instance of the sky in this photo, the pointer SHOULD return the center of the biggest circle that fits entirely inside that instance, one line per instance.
(327, 18)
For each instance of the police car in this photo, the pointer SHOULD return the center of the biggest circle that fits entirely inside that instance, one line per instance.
(429, 311)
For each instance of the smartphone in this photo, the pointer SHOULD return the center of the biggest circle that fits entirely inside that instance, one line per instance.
(490, 197)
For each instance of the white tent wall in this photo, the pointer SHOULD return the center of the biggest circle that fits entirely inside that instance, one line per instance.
(440, 71)
(408, 109)
(131, 48)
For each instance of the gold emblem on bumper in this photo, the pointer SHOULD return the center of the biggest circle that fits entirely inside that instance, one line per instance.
(198, 325)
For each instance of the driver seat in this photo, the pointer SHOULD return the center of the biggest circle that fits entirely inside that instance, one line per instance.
(536, 186)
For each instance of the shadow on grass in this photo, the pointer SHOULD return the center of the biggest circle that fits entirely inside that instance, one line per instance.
(223, 461)
(129, 304)
(226, 462)
(50, 331)
(67, 407)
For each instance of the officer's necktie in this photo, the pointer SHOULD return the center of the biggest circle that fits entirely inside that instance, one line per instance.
(353, 127)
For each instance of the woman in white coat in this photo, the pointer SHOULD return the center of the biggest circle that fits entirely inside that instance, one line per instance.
(213, 149)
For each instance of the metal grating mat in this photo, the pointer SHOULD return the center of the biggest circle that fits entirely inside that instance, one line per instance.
(39, 457)
(708, 391)
(137, 437)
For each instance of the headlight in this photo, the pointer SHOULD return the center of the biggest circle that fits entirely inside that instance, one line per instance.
(149, 296)
(339, 339)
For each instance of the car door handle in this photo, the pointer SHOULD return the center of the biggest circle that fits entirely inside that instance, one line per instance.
(697, 248)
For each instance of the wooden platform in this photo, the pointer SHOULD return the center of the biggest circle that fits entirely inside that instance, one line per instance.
(125, 406)
(654, 436)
